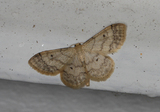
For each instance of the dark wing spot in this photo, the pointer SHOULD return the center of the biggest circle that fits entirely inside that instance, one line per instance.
(51, 55)
(97, 59)
(39, 54)
(71, 68)
(104, 35)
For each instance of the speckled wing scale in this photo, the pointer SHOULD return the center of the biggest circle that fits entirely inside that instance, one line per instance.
(51, 62)
(109, 40)
(82, 63)
(74, 74)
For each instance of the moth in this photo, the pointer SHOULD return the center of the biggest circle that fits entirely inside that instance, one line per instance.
(84, 62)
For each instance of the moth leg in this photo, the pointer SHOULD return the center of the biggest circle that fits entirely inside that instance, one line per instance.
(88, 83)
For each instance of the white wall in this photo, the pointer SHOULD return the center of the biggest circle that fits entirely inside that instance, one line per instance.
(59, 24)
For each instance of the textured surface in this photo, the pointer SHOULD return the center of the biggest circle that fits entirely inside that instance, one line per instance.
(83, 62)
(29, 97)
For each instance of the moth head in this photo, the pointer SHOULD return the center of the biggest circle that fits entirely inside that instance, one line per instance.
(77, 44)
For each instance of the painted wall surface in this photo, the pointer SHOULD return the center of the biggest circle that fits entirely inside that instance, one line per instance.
(28, 27)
